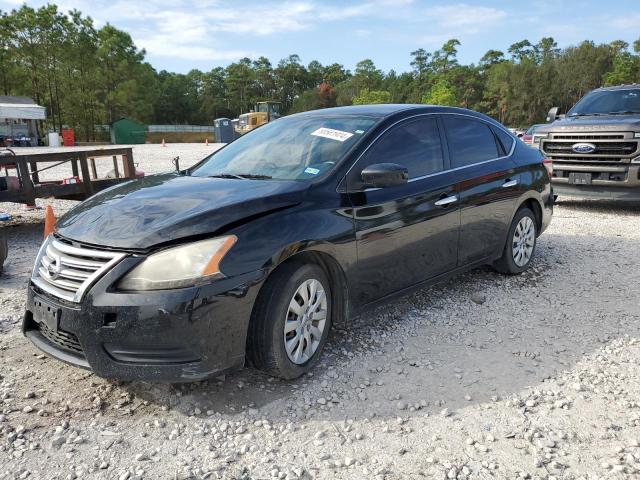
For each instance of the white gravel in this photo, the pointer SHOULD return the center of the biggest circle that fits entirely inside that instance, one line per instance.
(485, 376)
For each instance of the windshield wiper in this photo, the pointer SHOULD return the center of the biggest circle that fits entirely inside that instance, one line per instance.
(624, 112)
(586, 114)
(254, 176)
(225, 175)
(241, 176)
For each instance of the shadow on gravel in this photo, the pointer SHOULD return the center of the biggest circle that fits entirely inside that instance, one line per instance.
(600, 206)
(437, 348)
(433, 349)
(23, 241)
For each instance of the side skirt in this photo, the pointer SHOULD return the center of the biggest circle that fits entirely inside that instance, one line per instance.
(417, 286)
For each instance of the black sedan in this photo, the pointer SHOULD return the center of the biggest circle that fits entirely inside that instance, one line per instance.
(255, 252)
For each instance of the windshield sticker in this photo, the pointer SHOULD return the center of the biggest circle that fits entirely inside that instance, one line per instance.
(359, 132)
(338, 135)
(311, 170)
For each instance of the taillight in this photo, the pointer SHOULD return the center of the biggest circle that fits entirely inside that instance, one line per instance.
(548, 164)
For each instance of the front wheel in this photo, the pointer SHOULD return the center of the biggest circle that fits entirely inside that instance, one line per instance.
(291, 321)
(521, 244)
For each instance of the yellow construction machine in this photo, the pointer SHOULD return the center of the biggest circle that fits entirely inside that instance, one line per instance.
(264, 112)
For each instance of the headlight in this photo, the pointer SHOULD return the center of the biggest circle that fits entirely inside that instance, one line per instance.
(182, 266)
(637, 135)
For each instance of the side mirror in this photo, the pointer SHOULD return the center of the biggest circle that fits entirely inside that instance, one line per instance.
(382, 175)
(552, 115)
(520, 135)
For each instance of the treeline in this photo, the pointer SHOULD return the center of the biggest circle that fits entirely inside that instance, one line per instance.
(87, 76)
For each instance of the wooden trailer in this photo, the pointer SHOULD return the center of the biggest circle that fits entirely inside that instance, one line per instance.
(20, 180)
(83, 171)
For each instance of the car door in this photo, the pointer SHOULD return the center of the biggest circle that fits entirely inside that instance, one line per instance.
(488, 186)
(404, 234)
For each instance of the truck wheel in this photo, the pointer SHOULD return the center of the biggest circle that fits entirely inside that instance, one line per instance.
(291, 321)
(4, 251)
(521, 244)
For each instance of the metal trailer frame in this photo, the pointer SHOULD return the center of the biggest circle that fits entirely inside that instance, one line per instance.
(83, 166)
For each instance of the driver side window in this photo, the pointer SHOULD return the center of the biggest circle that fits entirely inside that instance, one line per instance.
(414, 144)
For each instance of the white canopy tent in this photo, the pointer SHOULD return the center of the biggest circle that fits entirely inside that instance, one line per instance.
(18, 117)
(20, 108)
(22, 111)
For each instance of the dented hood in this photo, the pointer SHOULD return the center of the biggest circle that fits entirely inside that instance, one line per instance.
(167, 207)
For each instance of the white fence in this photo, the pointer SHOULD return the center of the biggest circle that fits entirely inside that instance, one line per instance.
(180, 128)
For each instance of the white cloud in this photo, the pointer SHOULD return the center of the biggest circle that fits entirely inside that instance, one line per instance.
(628, 22)
(221, 30)
(470, 17)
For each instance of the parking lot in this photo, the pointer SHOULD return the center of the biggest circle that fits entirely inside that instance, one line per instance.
(484, 376)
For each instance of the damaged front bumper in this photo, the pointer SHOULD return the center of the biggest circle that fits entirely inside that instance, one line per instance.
(179, 335)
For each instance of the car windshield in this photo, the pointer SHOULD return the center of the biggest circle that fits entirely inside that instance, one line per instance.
(603, 102)
(292, 148)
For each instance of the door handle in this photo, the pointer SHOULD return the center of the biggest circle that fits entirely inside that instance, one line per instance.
(510, 183)
(449, 199)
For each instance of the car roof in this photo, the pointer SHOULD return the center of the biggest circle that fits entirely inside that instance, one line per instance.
(619, 87)
(389, 109)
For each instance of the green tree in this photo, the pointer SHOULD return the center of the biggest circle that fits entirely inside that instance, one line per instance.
(369, 97)
(335, 74)
(440, 94)
(239, 79)
(522, 50)
(491, 58)
(120, 62)
(367, 76)
(445, 58)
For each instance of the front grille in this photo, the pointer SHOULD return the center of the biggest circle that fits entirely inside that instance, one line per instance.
(602, 148)
(65, 340)
(616, 136)
(583, 159)
(66, 271)
(610, 147)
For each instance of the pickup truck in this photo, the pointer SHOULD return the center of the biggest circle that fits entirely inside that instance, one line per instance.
(595, 147)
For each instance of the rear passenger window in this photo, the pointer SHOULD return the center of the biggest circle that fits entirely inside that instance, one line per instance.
(470, 141)
(505, 139)
(414, 144)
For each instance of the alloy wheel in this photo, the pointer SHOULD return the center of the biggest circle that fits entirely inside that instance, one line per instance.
(524, 239)
(305, 322)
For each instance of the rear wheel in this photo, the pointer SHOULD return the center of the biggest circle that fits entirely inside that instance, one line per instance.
(521, 244)
(291, 321)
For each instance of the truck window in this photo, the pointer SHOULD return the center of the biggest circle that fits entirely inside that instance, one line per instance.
(602, 102)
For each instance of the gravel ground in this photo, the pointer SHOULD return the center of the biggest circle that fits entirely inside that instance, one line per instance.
(485, 376)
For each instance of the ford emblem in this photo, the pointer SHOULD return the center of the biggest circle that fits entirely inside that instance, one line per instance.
(583, 147)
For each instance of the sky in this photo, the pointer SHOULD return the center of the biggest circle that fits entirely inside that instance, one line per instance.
(203, 34)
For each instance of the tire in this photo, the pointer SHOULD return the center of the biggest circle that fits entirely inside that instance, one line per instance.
(266, 343)
(512, 262)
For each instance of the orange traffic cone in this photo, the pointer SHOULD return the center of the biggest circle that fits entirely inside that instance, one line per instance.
(163, 144)
(49, 221)
(206, 141)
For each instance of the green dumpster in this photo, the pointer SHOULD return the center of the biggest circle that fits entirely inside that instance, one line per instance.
(126, 132)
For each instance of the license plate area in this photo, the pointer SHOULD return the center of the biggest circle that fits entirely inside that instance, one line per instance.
(47, 313)
(580, 178)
